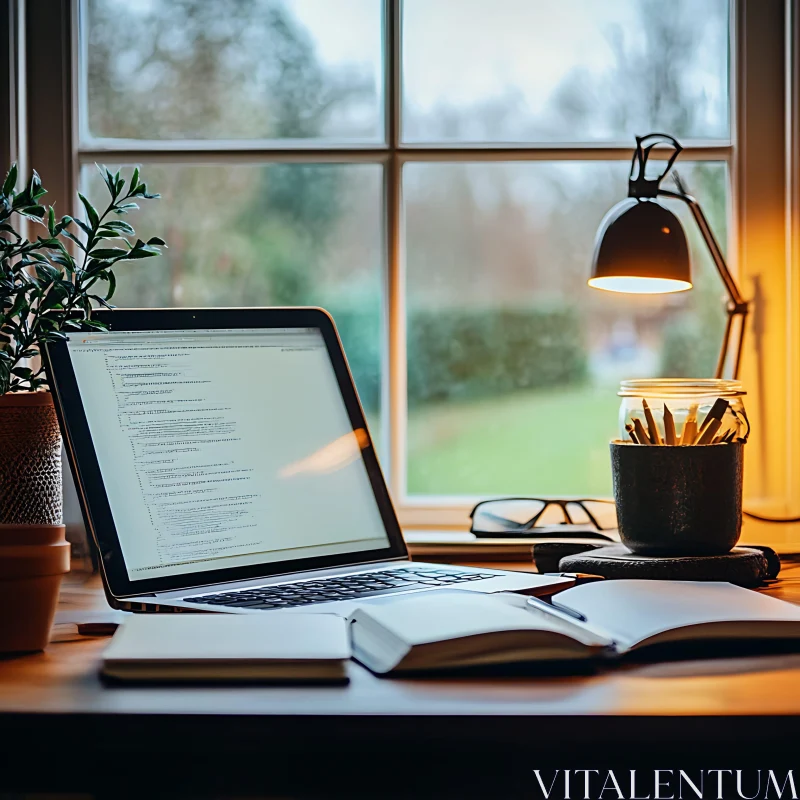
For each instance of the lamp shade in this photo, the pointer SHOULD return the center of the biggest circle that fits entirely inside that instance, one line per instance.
(641, 248)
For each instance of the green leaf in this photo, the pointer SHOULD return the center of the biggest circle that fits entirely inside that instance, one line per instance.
(91, 213)
(46, 324)
(84, 227)
(34, 188)
(95, 323)
(20, 307)
(75, 239)
(141, 252)
(20, 265)
(119, 225)
(157, 240)
(63, 224)
(125, 208)
(32, 212)
(53, 299)
(52, 336)
(107, 179)
(47, 273)
(135, 177)
(66, 261)
(51, 221)
(101, 300)
(104, 253)
(11, 180)
(6, 228)
(112, 284)
(104, 234)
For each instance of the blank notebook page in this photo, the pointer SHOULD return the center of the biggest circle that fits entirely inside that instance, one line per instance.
(633, 610)
(441, 616)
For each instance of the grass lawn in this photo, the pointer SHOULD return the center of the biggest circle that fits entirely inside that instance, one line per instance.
(539, 443)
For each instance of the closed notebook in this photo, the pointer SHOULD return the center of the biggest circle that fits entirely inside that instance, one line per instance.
(445, 630)
(447, 546)
(275, 647)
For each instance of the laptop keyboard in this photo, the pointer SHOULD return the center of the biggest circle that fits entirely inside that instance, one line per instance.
(347, 587)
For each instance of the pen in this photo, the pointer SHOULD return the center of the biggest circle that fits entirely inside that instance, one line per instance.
(570, 612)
(578, 577)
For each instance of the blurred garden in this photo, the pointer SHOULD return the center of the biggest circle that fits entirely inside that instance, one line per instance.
(513, 362)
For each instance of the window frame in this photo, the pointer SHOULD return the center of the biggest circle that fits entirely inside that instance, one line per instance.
(758, 190)
(12, 83)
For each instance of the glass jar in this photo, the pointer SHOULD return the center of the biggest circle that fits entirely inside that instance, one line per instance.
(678, 408)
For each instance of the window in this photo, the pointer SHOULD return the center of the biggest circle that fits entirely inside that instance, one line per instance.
(433, 173)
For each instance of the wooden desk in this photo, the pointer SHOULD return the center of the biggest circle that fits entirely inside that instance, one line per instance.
(61, 729)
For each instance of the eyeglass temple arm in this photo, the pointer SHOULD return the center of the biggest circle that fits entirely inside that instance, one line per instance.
(737, 305)
(531, 523)
(591, 516)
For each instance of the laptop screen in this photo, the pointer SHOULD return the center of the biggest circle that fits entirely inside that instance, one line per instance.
(224, 448)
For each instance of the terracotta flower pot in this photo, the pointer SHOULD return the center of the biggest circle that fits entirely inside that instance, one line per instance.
(30, 460)
(34, 554)
(33, 559)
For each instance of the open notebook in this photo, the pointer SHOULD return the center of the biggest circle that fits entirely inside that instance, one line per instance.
(609, 618)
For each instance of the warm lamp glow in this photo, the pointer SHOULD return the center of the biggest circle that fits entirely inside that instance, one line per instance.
(629, 284)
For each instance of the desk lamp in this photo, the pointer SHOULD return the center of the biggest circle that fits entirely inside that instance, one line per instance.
(641, 246)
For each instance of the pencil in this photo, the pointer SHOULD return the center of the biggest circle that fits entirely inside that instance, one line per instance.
(717, 413)
(641, 434)
(669, 427)
(655, 437)
(689, 432)
(629, 428)
(708, 431)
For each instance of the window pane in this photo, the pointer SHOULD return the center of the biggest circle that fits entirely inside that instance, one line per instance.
(232, 69)
(276, 234)
(572, 70)
(513, 361)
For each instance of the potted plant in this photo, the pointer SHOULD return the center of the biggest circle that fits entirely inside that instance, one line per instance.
(49, 284)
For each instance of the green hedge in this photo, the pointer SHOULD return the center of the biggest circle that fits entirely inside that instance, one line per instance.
(360, 331)
(470, 353)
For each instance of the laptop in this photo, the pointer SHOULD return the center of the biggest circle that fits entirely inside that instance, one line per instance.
(223, 463)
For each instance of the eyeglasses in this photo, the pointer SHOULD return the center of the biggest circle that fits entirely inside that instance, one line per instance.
(520, 516)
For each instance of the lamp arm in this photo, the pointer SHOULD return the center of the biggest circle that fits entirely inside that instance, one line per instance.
(713, 248)
(738, 306)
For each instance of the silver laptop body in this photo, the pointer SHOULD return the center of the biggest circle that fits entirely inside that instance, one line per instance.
(222, 456)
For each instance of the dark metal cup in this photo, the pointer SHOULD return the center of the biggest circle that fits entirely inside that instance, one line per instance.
(678, 501)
